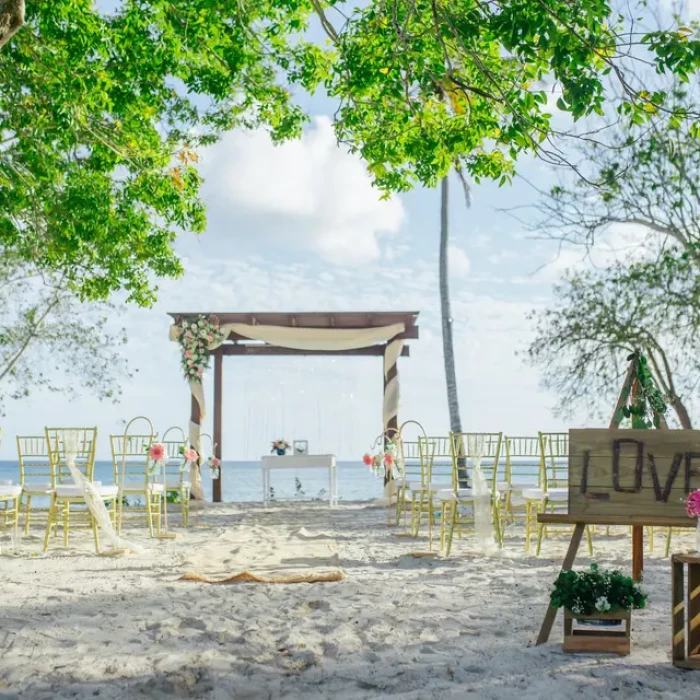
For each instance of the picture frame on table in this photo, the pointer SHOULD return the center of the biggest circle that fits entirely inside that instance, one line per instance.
(300, 447)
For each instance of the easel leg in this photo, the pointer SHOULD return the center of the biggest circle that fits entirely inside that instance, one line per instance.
(551, 614)
(637, 553)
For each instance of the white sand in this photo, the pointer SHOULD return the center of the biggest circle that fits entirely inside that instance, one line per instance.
(74, 625)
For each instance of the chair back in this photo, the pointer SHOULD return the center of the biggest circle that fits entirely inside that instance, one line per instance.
(523, 454)
(85, 445)
(490, 462)
(554, 456)
(130, 459)
(410, 456)
(33, 458)
(175, 442)
(438, 454)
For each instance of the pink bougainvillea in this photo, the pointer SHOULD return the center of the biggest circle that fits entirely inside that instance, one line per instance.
(692, 505)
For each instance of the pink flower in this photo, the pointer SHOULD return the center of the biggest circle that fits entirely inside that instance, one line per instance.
(214, 462)
(388, 460)
(157, 452)
(190, 455)
(210, 337)
(188, 353)
(367, 459)
(692, 505)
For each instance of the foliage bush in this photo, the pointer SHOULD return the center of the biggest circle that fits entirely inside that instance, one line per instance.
(596, 591)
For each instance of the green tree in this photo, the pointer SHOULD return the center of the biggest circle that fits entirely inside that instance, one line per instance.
(647, 179)
(100, 116)
(49, 340)
(425, 84)
(598, 318)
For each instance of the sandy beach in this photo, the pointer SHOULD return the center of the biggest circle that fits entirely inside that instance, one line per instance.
(76, 625)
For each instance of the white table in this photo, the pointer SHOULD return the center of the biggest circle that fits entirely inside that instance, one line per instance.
(328, 462)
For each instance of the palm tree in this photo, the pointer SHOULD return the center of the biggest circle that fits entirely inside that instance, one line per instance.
(446, 315)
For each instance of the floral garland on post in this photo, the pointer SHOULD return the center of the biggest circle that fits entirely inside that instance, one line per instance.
(385, 462)
(195, 338)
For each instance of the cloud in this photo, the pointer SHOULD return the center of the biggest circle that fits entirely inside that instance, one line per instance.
(459, 262)
(305, 195)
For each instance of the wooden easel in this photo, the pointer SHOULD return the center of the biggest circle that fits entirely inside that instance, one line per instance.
(628, 387)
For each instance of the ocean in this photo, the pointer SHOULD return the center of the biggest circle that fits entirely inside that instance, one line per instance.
(242, 481)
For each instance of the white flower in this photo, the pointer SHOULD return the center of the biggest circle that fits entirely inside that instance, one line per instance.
(602, 605)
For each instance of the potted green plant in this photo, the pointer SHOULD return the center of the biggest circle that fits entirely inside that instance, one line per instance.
(600, 599)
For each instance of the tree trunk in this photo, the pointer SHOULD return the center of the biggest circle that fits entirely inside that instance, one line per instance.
(11, 19)
(446, 315)
(681, 411)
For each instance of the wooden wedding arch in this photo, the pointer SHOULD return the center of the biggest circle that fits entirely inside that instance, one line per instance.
(328, 325)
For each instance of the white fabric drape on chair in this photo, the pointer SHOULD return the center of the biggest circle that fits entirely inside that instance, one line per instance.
(311, 339)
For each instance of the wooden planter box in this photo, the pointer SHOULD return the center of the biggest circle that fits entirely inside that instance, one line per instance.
(597, 640)
(686, 610)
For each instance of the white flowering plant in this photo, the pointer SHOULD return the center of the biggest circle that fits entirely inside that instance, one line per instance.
(196, 337)
(596, 591)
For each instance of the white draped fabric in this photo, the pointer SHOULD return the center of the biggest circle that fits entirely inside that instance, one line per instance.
(312, 339)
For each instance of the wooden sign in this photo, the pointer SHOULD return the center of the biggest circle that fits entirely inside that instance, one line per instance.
(645, 473)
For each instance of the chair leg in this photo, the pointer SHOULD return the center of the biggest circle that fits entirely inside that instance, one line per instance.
(66, 521)
(496, 511)
(27, 513)
(668, 541)
(651, 538)
(453, 522)
(95, 533)
(589, 540)
(120, 506)
(416, 527)
(430, 521)
(528, 517)
(443, 526)
(50, 520)
(185, 507)
(149, 512)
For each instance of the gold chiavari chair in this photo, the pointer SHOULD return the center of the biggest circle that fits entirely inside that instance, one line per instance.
(10, 496)
(458, 502)
(35, 473)
(135, 475)
(411, 467)
(523, 470)
(176, 473)
(68, 499)
(436, 474)
(553, 494)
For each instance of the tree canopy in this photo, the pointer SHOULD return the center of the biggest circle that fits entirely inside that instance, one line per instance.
(100, 117)
(102, 112)
(426, 84)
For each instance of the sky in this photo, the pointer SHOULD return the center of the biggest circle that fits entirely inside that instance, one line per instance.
(298, 227)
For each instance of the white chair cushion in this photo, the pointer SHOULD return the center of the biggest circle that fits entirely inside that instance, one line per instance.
(7, 492)
(461, 495)
(517, 486)
(37, 488)
(558, 495)
(72, 491)
(4, 482)
(175, 483)
(140, 487)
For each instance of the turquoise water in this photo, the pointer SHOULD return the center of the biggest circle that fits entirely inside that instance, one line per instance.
(242, 481)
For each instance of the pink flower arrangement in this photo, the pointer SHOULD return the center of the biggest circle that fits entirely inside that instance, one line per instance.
(388, 459)
(692, 504)
(367, 459)
(157, 452)
(197, 337)
(215, 463)
(191, 455)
